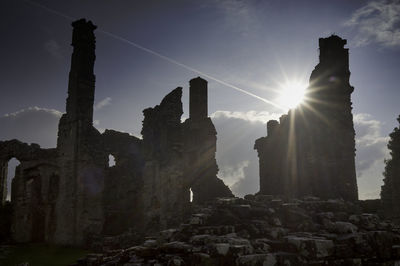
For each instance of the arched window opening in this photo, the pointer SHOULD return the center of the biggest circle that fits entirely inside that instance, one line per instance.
(12, 165)
(111, 160)
(191, 195)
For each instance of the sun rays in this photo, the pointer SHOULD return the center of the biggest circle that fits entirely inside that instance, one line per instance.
(291, 93)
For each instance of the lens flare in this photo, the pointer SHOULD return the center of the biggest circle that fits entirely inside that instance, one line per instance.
(291, 93)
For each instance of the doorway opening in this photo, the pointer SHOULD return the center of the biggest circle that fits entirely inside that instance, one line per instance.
(12, 165)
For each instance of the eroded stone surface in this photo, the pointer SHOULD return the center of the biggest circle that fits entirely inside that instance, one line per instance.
(225, 237)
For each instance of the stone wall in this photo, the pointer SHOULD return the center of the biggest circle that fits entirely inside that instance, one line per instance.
(311, 150)
(32, 192)
(123, 183)
(165, 194)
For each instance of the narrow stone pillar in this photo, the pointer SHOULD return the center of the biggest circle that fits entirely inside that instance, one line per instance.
(81, 77)
(82, 159)
(198, 107)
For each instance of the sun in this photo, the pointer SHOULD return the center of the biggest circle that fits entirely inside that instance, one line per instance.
(291, 93)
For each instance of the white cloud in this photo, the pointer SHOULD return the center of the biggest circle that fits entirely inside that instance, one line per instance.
(370, 155)
(34, 109)
(377, 22)
(371, 146)
(32, 125)
(250, 116)
(52, 47)
(236, 158)
(103, 103)
(233, 173)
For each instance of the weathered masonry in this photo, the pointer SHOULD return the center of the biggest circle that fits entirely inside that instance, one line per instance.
(70, 195)
(311, 150)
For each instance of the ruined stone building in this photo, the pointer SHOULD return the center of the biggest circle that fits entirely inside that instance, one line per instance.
(311, 150)
(69, 194)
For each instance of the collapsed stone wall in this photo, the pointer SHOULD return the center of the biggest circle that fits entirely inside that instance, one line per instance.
(123, 183)
(311, 150)
(179, 157)
(264, 230)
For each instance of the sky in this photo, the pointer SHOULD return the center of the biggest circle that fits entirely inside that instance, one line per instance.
(249, 45)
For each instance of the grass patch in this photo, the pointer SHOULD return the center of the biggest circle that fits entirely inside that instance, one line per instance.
(41, 255)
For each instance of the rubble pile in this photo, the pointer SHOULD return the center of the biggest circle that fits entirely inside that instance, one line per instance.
(265, 230)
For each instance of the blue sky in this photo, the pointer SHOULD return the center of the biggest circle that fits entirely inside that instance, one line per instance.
(253, 45)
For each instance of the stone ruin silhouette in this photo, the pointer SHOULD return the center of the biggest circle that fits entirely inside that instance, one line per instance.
(311, 150)
(69, 194)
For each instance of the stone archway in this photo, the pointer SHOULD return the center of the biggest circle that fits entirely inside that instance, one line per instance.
(31, 188)
(12, 167)
(13, 149)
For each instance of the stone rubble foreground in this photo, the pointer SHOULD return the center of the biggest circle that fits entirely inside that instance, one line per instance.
(264, 230)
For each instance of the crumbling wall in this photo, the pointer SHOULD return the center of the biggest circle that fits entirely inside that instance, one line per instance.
(32, 194)
(165, 192)
(123, 183)
(313, 151)
(179, 157)
(269, 149)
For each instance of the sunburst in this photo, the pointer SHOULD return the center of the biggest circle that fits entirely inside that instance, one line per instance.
(291, 93)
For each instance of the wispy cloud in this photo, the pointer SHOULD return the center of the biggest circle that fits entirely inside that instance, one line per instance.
(239, 15)
(377, 22)
(52, 47)
(231, 174)
(34, 109)
(250, 116)
(371, 145)
(106, 101)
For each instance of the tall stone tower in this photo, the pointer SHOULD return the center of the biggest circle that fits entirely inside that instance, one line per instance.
(198, 107)
(81, 84)
(329, 109)
(311, 151)
(200, 147)
(82, 160)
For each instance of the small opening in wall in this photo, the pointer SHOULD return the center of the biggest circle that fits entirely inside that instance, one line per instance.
(191, 195)
(111, 160)
(12, 164)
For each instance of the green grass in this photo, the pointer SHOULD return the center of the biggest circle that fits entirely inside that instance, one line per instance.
(42, 255)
